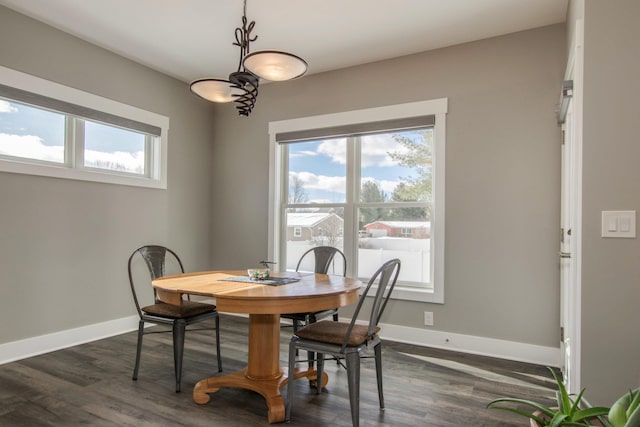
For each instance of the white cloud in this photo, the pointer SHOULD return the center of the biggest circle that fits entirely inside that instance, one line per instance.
(119, 160)
(311, 181)
(305, 153)
(31, 147)
(386, 185)
(336, 184)
(6, 107)
(335, 149)
(376, 148)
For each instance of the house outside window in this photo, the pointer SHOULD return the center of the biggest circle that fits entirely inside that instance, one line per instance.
(381, 183)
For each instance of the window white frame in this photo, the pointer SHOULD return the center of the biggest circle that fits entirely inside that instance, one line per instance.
(277, 192)
(156, 157)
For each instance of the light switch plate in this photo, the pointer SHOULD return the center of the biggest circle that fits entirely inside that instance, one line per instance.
(620, 224)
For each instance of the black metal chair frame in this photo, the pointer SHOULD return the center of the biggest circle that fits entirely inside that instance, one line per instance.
(386, 277)
(324, 258)
(155, 259)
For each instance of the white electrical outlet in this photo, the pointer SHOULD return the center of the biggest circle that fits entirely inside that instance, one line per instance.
(428, 318)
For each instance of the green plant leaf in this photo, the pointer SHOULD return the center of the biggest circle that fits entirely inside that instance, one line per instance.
(635, 403)
(568, 412)
(564, 401)
(576, 405)
(634, 418)
(589, 413)
(531, 415)
(558, 420)
(536, 406)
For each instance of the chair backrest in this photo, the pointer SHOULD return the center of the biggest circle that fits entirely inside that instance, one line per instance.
(156, 258)
(324, 257)
(385, 278)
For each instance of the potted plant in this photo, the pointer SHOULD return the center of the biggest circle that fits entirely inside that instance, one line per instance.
(567, 411)
(625, 412)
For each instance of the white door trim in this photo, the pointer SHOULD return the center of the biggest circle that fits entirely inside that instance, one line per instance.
(574, 71)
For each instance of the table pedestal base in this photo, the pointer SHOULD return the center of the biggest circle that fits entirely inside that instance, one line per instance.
(269, 388)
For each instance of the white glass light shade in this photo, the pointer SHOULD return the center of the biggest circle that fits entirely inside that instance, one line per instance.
(214, 90)
(275, 65)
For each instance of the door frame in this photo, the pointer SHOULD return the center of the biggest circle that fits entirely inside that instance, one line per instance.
(571, 292)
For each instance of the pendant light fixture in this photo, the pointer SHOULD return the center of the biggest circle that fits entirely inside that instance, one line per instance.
(242, 85)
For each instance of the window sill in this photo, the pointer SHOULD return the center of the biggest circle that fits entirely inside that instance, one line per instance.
(406, 293)
(79, 174)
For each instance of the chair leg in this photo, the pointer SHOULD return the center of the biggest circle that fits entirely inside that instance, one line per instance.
(295, 330)
(378, 353)
(311, 356)
(292, 362)
(319, 372)
(178, 349)
(218, 343)
(353, 378)
(138, 349)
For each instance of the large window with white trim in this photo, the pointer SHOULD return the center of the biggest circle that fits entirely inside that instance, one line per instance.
(369, 182)
(53, 130)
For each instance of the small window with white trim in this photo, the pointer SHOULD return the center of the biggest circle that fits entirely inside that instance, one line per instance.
(52, 130)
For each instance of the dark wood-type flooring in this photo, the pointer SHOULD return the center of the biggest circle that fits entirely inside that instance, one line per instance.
(90, 385)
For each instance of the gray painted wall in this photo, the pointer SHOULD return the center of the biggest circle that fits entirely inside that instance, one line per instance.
(610, 267)
(502, 175)
(502, 182)
(64, 244)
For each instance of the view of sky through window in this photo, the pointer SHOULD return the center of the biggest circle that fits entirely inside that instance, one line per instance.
(35, 133)
(108, 147)
(31, 132)
(318, 168)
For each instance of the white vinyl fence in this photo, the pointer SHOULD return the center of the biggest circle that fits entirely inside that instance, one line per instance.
(414, 254)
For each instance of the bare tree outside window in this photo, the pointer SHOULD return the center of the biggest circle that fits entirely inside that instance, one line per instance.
(297, 193)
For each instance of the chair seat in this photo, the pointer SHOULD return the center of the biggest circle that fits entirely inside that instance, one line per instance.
(186, 309)
(334, 333)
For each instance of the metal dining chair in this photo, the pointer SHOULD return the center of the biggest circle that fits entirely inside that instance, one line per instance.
(324, 261)
(348, 340)
(157, 258)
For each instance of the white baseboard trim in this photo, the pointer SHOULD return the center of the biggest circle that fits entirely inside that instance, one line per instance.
(35, 346)
(510, 350)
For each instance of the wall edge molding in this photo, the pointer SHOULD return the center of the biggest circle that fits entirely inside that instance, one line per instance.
(491, 347)
(482, 346)
(34, 346)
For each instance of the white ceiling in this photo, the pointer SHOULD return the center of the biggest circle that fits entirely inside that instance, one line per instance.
(190, 39)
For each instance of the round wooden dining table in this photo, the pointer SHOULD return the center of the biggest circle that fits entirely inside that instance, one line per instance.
(307, 292)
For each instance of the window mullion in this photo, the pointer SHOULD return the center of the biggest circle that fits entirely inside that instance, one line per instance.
(280, 235)
(69, 141)
(78, 143)
(149, 157)
(350, 210)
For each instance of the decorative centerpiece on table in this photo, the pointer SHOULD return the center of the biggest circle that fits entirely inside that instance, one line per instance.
(258, 273)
